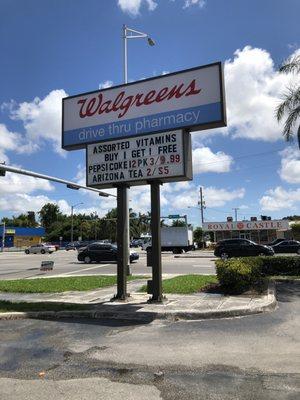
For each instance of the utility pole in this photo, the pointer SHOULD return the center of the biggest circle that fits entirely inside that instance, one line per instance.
(235, 213)
(95, 226)
(202, 205)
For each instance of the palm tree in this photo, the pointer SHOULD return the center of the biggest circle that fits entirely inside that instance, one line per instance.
(290, 107)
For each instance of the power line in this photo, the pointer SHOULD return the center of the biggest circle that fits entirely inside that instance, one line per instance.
(229, 212)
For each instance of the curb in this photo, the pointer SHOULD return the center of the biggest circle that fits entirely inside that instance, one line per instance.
(149, 316)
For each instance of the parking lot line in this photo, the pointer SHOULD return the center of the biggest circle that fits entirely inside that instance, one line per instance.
(86, 269)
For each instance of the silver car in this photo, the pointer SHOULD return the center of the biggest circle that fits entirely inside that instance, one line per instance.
(40, 249)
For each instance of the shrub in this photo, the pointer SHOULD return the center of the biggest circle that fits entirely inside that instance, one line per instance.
(239, 274)
(283, 265)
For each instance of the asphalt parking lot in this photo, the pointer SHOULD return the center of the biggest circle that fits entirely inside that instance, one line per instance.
(19, 265)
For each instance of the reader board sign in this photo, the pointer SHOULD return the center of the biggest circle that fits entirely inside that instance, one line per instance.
(136, 161)
(192, 99)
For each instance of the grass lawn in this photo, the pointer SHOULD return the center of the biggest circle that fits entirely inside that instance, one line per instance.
(57, 285)
(186, 284)
(6, 306)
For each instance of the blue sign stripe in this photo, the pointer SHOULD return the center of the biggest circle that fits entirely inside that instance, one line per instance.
(148, 124)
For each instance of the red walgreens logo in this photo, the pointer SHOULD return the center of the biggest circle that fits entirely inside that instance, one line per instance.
(123, 103)
(240, 225)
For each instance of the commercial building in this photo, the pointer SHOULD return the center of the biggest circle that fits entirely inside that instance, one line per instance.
(21, 237)
(260, 231)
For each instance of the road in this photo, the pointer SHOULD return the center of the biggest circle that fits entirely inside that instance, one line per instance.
(20, 265)
(254, 357)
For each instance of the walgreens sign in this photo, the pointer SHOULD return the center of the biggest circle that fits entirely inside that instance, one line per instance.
(191, 99)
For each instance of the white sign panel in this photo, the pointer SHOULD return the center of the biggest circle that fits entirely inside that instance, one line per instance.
(246, 225)
(165, 157)
(192, 99)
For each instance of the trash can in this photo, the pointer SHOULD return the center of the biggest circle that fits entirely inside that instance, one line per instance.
(149, 257)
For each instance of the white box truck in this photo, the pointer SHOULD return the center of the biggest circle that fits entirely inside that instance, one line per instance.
(174, 238)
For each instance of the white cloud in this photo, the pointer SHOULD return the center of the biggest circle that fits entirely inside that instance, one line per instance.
(151, 5)
(253, 90)
(132, 7)
(189, 3)
(18, 193)
(215, 197)
(188, 195)
(176, 186)
(8, 142)
(105, 84)
(293, 46)
(290, 165)
(41, 119)
(204, 160)
(11, 141)
(22, 202)
(21, 184)
(280, 199)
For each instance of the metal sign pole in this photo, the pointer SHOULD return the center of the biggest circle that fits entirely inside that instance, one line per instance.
(156, 243)
(122, 241)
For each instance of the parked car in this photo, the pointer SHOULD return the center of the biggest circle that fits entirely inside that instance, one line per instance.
(136, 243)
(241, 248)
(275, 242)
(40, 249)
(76, 245)
(101, 252)
(287, 246)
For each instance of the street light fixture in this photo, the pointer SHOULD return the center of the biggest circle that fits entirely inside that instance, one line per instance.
(151, 42)
(72, 227)
(129, 33)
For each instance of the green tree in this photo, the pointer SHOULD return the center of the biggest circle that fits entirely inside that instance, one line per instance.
(22, 220)
(198, 234)
(178, 222)
(31, 219)
(292, 218)
(296, 231)
(49, 214)
(290, 106)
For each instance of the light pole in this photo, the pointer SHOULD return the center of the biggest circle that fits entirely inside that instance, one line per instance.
(72, 210)
(95, 225)
(129, 33)
(122, 190)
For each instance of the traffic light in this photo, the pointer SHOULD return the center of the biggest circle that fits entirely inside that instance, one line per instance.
(2, 171)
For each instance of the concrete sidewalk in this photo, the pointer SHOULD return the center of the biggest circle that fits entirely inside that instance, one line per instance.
(190, 307)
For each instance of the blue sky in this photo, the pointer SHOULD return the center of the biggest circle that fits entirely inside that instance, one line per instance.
(50, 49)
